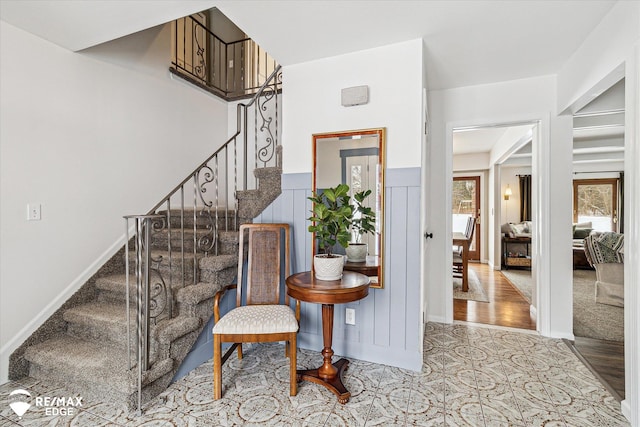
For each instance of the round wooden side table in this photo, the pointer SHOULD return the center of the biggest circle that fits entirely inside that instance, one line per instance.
(304, 287)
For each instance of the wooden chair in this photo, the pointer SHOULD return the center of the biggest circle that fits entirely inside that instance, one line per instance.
(457, 252)
(259, 315)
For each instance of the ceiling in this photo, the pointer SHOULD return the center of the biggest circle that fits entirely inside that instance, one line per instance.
(598, 133)
(466, 42)
(597, 138)
(483, 139)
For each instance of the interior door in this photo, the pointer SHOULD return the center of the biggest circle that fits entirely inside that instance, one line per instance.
(466, 203)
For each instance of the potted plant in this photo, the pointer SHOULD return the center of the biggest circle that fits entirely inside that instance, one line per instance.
(363, 222)
(331, 217)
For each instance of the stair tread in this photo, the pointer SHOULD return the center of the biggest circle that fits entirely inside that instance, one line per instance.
(227, 235)
(115, 282)
(219, 262)
(99, 311)
(88, 361)
(189, 211)
(177, 255)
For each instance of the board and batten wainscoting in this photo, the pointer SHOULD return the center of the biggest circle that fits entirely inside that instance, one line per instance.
(388, 322)
(388, 327)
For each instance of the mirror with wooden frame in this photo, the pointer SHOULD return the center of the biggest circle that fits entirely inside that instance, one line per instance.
(355, 158)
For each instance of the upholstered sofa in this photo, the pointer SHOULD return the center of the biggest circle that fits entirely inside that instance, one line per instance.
(580, 232)
(610, 283)
(521, 229)
(605, 252)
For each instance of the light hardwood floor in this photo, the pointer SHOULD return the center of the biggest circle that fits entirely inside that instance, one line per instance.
(506, 306)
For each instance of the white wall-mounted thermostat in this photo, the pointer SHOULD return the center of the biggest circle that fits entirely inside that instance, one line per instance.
(357, 95)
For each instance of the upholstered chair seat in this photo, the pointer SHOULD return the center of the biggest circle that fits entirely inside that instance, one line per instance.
(257, 319)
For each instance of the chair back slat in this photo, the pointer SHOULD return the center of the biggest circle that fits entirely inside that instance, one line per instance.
(267, 243)
(471, 226)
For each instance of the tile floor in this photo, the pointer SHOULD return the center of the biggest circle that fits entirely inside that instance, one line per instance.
(471, 376)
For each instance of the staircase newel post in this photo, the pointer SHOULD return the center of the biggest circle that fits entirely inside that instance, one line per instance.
(126, 266)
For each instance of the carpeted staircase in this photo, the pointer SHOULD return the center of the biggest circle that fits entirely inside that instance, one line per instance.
(83, 346)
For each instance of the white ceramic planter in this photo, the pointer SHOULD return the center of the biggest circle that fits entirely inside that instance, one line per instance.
(356, 252)
(326, 268)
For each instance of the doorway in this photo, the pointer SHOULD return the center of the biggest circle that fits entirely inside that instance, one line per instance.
(480, 159)
(598, 200)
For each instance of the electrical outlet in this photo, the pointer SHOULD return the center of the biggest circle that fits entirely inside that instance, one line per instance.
(231, 63)
(33, 212)
(350, 316)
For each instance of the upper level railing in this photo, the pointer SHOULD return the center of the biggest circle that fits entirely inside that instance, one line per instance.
(231, 70)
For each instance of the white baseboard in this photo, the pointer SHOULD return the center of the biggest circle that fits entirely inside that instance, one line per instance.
(562, 335)
(625, 408)
(436, 319)
(55, 304)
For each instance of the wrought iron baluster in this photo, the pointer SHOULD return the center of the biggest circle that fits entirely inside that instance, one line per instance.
(182, 233)
(215, 225)
(195, 235)
(255, 140)
(170, 254)
(127, 306)
(226, 189)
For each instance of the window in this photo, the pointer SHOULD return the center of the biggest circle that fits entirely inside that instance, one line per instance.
(466, 203)
(596, 201)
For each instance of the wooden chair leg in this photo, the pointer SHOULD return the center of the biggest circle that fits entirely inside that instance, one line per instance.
(293, 368)
(217, 367)
(239, 350)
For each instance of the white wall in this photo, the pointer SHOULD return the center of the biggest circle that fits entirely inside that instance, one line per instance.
(314, 89)
(471, 162)
(90, 136)
(611, 52)
(597, 167)
(514, 102)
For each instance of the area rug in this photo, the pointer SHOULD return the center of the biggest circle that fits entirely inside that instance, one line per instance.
(476, 291)
(591, 319)
(521, 280)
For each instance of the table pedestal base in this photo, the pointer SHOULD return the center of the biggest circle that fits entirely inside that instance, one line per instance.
(334, 383)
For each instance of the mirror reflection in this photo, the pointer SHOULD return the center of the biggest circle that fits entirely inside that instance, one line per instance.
(356, 158)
